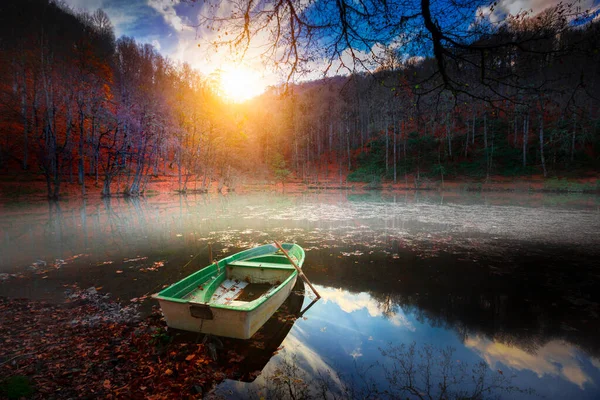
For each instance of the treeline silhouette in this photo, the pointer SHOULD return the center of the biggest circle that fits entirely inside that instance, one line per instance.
(77, 104)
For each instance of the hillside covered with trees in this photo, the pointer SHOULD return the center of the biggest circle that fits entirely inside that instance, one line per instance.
(79, 105)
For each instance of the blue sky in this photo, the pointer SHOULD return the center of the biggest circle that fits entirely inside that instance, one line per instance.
(168, 25)
(161, 22)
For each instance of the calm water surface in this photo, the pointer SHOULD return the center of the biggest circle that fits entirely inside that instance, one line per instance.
(506, 282)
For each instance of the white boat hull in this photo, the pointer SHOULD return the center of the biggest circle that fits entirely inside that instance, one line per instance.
(240, 324)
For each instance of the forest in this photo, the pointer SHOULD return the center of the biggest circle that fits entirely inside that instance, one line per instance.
(79, 105)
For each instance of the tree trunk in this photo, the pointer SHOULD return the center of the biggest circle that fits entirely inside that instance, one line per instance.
(106, 186)
(525, 138)
(515, 137)
(340, 151)
(387, 142)
(542, 143)
(573, 139)
(25, 121)
(473, 133)
(81, 155)
(491, 163)
(179, 170)
(485, 147)
(467, 140)
(348, 146)
(449, 137)
(394, 155)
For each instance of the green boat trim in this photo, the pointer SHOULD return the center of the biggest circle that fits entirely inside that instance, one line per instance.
(204, 282)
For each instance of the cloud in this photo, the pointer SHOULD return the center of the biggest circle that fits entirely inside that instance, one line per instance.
(166, 8)
(85, 4)
(514, 7)
(350, 302)
(555, 358)
(197, 50)
(308, 361)
(127, 17)
(121, 21)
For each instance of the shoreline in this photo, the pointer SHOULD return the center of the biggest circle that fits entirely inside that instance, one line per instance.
(34, 189)
(90, 344)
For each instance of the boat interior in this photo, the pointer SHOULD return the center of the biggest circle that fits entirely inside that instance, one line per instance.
(240, 282)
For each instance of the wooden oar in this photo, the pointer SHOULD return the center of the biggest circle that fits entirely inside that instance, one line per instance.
(298, 269)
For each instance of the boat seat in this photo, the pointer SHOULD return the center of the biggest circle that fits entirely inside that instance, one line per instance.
(260, 264)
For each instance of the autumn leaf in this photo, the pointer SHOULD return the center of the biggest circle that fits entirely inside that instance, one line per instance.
(190, 357)
(169, 372)
(106, 384)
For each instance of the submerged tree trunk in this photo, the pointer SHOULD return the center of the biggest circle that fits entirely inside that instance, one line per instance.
(106, 186)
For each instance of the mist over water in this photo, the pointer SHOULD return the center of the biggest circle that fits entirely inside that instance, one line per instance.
(508, 280)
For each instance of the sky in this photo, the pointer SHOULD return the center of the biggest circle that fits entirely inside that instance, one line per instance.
(169, 26)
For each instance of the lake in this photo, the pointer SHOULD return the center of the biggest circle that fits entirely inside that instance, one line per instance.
(486, 294)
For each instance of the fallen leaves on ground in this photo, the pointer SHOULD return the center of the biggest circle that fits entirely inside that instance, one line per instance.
(91, 347)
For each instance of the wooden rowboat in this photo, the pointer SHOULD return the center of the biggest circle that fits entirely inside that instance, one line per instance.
(235, 296)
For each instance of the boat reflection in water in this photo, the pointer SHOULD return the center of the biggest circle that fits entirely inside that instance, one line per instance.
(255, 353)
(244, 360)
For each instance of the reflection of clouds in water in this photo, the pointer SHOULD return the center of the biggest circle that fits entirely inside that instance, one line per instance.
(307, 359)
(307, 362)
(356, 353)
(350, 302)
(399, 319)
(554, 358)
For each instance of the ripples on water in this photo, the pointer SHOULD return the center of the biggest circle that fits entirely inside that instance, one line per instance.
(510, 283)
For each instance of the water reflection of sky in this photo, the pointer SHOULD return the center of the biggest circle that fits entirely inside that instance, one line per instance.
(346, 332)
(508, 281)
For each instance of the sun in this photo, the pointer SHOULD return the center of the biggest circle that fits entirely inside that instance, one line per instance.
(240, 83)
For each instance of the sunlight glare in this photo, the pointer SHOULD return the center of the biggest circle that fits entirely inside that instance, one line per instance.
(240, 83)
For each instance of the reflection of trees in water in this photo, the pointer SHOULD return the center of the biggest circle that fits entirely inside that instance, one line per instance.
(404, 371)
(111, 228)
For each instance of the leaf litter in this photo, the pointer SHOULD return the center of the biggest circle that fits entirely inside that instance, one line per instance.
(93, 347)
